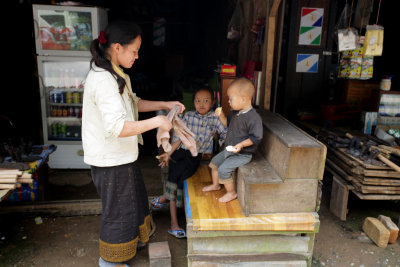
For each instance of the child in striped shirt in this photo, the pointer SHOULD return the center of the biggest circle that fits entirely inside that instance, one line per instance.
(204, 123)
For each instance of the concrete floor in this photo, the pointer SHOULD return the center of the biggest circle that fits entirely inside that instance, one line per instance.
(73, 241)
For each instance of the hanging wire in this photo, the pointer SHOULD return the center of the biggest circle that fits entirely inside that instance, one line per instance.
(379, 9)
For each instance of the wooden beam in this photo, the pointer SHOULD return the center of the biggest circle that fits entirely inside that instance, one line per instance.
(270, 52)
(268, 57)
(57, 208)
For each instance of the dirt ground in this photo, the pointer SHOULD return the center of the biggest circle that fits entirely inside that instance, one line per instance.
(73, 241)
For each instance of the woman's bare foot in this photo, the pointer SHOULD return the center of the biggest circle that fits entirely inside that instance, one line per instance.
(228, 197)
(211, 187)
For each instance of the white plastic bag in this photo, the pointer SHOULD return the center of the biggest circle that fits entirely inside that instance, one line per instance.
(235, 25)
(347, 39)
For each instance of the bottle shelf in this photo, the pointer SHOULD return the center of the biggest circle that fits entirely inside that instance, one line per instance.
(66, 104)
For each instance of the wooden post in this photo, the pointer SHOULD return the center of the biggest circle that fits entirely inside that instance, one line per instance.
(268, 57)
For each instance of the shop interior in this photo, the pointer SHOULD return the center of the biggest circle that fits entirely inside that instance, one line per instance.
(346, 99)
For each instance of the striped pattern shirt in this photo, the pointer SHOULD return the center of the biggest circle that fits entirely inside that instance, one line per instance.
(204, 127)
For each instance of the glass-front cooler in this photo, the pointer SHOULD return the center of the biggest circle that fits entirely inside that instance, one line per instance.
(61, 90)
(67, 30)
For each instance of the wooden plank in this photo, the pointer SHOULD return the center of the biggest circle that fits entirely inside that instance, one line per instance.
(376, 173)
(376, 196)
(240, 263)
(271, 31)
(339, 198)
(359, 161)
(4, 193)
(379, 181)
(8, 180)
(294, 195)
(250, 244)
(366, 189)
(10, 171)
(8, 186)
(335, 169)
(263, 96)
(25, 180)
(270, 260)
(8, 176)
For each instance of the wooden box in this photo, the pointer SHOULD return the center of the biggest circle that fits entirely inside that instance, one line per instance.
(291, 152)
(360, 95)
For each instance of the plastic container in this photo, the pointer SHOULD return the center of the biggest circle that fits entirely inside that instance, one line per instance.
(385, 84)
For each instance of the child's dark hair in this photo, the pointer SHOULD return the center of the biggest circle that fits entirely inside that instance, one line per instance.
(205, 88)
(122, 32)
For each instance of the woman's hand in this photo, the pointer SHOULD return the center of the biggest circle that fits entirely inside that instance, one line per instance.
(163, 159)
(163, 123)
(172, 104)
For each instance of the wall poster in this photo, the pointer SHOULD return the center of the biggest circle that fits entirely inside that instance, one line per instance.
(311, 26)
(307, 63)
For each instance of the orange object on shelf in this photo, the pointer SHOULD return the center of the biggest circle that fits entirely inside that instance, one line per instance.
(228, 70)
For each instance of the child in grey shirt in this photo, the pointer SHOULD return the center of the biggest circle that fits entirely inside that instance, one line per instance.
(245, 131)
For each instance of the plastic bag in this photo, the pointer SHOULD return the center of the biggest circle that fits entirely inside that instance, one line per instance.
(373, 44)
(235, 25)
(342, 23)
(347, 39)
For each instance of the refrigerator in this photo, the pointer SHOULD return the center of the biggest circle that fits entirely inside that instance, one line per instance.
(63, 35)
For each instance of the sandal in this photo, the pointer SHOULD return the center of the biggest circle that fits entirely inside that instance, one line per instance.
(156, 205)
(177, 233)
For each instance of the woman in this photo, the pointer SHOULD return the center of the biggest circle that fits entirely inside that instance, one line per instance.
(111, 132)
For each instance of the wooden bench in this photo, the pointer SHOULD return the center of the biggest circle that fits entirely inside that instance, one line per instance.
(219, 234)
(274, 220)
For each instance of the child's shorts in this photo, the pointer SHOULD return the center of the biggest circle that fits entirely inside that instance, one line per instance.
(226, 162)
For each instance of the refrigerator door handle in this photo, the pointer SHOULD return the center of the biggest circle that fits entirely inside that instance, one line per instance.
(37, 29)
(41, 87)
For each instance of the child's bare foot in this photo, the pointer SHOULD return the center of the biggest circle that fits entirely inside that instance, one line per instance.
(228, 197)
(211, 187)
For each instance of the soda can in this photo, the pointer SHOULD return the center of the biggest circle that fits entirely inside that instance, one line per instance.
(76, 97)
(62, 97)
(55, 96)
(54, 129)
(68, 97)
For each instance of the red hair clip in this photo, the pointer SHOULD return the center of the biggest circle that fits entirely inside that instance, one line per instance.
(102, 38)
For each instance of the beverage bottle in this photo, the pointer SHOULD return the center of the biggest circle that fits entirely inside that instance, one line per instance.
(54, 129)
(59, 111)
(54, 111)
(65, 112)
(62, 128)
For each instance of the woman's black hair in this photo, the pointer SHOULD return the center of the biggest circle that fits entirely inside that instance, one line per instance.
(122, 32)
